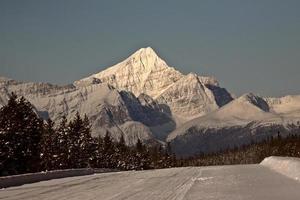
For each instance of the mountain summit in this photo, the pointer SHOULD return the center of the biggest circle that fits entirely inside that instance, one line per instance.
(144, 72)
(139, 73)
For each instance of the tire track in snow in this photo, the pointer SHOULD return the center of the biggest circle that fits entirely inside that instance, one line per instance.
(183, 190)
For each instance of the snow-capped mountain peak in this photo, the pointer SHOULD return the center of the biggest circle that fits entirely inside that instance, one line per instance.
(141, 72)
(144, 72)
(147, 54)
(144, 58)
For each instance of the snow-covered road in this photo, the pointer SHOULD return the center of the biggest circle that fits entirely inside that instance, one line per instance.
(225, 182)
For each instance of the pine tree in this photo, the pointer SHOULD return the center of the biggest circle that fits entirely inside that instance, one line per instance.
(74, 138)
(169, 157)
(142, 156)
(79, 142)
(86, 143)
(122, 145)
(7, 136)
(62, 149)
(108, 152)
(49, 147)
(139, 146)
(121, 153)
(97, 155)
(21, 131)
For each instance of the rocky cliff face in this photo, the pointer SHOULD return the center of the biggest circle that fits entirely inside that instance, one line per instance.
(188, 98)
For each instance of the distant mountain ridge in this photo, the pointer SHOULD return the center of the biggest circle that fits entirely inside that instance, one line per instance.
(142, 97)
(245, 119)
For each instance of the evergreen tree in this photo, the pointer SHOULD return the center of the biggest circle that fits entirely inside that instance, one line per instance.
(139, 146)
(121, 153)
(20, 130)
(7, 136)
(74, 130)
(49, 147)
(155, 157)
(108, 152)
(79, 141)
(86, 143)
(97, 155)
(62, 149)
(142, 156)
(122, 145)
(169, 158)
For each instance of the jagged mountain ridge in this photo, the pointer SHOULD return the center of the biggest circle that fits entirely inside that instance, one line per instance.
(144, 72)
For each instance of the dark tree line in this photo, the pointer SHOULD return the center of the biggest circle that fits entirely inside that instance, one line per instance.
(248, 154)
(28, 144)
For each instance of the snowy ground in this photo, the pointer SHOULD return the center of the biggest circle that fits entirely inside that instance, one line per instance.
(225, 182)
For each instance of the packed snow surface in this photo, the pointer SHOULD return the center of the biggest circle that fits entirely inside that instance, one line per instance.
(251, 182)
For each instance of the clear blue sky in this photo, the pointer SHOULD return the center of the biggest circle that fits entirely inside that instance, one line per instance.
(250, 46)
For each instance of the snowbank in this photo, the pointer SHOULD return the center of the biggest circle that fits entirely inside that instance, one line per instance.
(16, 180)
(287, 166)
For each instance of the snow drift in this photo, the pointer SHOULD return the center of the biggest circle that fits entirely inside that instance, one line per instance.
(287, 166)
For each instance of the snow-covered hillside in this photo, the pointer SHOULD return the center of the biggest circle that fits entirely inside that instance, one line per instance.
(245, 119)
(288, 106)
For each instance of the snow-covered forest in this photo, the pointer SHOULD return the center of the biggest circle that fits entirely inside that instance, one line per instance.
(253, 153)
(30, 144)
